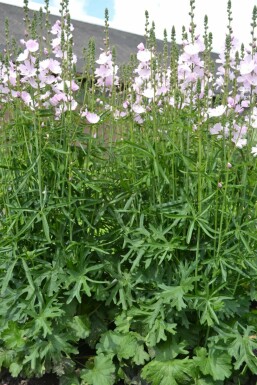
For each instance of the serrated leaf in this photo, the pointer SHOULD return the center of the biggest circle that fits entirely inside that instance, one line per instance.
(158, 332)
(216, 363)
(102, 372)
(15, 369)
(69, 379)
(170, 349)
(140, 355)
(173, 372)
(242, 347)
(13, 336)
(207, 381)
(121, 345)
(81, 326)
(173, 295)
(7, 277)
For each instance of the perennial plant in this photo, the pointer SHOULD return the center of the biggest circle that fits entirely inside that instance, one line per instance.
(128, 209)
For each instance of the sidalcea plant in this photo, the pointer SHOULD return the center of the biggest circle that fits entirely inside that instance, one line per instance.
(128, 209)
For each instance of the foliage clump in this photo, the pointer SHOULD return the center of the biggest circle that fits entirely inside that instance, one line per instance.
(128, 209)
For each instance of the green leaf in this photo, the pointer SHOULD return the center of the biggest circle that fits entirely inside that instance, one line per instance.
(121, 345)
(216, 363)
(81, 326)
(102, 372)
(158, 332)
(207, 381)
(45, 227)
(170, 349)
(15, 369)
(13, 336)
(140, 355)
(242, 347)
(69, 379)
(7, 277)
(173, 372)
(173, 295)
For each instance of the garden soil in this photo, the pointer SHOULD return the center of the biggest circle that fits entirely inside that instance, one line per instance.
(47, 379)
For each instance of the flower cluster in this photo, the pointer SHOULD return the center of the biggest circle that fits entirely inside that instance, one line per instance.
(42, 82)
(39, 83)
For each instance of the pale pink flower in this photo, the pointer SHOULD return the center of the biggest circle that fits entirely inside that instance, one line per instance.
(245, 103)
(32, 45)
(240, 143)
(217, 111)
(104, 58)
(72, 85)
(247, 65)
(56, 28)
(144, 56)
(138, 109)
(56, 42)
(27, 69)
(149, 93)
(57, 98)
(192, 49)
(143, 70)
(141, 47)
(216, 129)
(254, 151)
(23, 56)
(25, 96)
(92, 117)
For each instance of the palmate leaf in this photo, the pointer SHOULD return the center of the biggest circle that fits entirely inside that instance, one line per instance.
(15, 369)
(158, 332)
(121, 345)
(215, 363)
(170, 349)
(81, 326)
(240, 344)
(173, 372)
(140, 355)
(207, 381)
(13, 336)
(101, 373)
(242, 347)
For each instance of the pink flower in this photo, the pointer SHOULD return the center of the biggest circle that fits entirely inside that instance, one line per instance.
(56, 28)
(192, 49)
(138, 109)
(149, 93)
(247, 65)
(216, 129)
(245, 103)
(218, 111)
(254, 151)
(27, 69)
(240, 143)
(104, 58)
(144, 56)
(72, 85)
(23, 56)
(25, 96)
(141, 47)
(32, 45)
(57, 98)
(92, 117)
